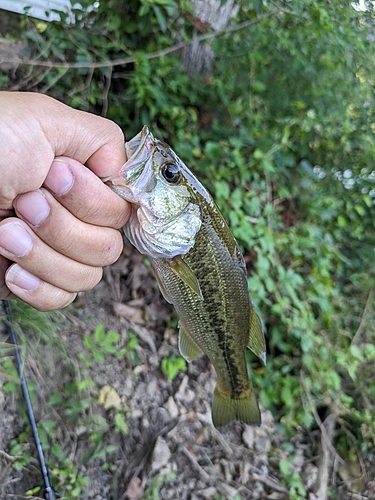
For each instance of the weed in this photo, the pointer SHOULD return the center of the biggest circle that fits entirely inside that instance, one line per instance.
(153, 490)
(172, 365)
(100, 344)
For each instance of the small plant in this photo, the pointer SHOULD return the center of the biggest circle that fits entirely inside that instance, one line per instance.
(70, 483)
(131, 351)
(172, 365)
(292, 479)
(9, 370)
(18, 450)
(153, 489)
(104, 343)
(100, 344)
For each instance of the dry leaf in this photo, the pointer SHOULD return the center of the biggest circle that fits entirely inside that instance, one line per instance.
(351, 474)
(131, 313)
(109, 398)
(134, 491)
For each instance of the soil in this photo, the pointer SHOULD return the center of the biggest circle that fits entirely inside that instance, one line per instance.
(171, 450)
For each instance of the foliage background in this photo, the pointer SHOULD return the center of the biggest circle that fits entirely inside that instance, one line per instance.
(281, 130)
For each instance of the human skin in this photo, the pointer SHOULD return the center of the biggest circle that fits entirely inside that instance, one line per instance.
(58, 221)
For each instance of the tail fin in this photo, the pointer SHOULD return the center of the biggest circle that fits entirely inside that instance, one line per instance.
(243, 408)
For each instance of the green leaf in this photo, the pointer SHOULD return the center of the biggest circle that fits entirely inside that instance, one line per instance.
(99, 333)
(33, 491)
(284, 467)
(356, 352)
(88, 341)
(10, 387)
(160, 17)
(58, 451)
(112, 337)
(121, 424)
(98, 354)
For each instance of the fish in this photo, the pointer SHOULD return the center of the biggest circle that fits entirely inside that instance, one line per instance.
(198, 266)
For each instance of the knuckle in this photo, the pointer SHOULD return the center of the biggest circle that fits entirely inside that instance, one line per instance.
(91, 279)
(52, 299)
(112, 249)
(115, 131)
(121, 217)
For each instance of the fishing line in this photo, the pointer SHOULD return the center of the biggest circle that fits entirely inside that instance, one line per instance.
(49, 493)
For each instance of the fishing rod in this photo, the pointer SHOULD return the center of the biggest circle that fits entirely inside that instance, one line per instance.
(49, 494)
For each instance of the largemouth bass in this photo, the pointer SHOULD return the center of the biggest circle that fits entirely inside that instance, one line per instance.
(198, 266)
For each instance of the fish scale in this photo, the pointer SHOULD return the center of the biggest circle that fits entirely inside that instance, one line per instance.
(199, 268)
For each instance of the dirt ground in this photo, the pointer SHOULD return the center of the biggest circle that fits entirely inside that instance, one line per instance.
(171, 451)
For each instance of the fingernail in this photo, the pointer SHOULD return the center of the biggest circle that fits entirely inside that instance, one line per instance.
(59, 178)
(21, 278)
(15, 239)
(33, 207)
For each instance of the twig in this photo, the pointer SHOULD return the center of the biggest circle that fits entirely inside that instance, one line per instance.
(13, 495)
(223, 443)
(145, 459)
(325, 464)
(153, 55)
(54, 80)
(357, 497)
(25, 83)
(10, 458)
(83, 86)
(284, 10)
(108, 80)
(319, 422)
(358, 333)
(11, 481)
(270, 482)
(194, 462)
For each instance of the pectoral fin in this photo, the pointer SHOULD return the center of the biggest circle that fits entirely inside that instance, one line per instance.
(256, 342)
(187, 346)
(184, 272)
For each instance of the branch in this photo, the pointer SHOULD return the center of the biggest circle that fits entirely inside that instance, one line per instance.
(322, 428)
(194, 462)
(325, 463)
(358, 333)
(129, 60)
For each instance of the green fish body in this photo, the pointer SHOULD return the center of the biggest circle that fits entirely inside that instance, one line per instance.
(199, 268)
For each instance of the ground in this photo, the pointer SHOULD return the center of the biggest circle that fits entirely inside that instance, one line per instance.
(120, 422)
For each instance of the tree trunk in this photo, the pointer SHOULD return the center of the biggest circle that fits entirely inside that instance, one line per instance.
(208, 15)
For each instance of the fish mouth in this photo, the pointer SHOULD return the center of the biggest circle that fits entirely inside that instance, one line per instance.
(138, 151)
(134, 146)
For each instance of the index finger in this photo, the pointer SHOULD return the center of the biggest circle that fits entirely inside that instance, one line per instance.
(92, 140)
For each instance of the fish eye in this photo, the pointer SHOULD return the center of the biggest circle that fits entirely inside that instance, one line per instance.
(171, 173)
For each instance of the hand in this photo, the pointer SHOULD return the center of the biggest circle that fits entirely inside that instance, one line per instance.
(58, 221)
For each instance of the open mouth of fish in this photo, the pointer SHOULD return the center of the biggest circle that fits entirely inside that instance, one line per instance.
(138, 151)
